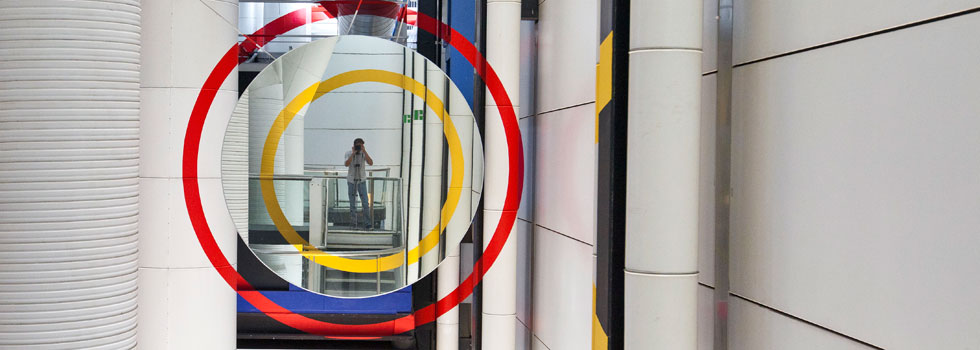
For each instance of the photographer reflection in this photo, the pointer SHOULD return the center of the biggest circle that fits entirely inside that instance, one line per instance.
(357, 160)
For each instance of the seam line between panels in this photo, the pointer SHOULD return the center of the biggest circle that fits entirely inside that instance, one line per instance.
(665, 49)
(800, 319)
(497, 314)
(535, 335)
(862, 36)
(523, 324)
(541, 114)
(654, 273)
(562, 234)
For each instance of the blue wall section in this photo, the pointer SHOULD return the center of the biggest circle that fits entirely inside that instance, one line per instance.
(304, 302)
(462, 18)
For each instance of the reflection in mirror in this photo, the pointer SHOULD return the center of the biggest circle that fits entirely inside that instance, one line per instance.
(352, 166)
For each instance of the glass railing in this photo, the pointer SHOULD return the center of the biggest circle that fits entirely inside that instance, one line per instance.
(285, 261)
(316, 215)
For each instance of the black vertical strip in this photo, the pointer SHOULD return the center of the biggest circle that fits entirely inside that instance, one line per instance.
(620, 96)
(444, 184)
(427, 43)
(611, 178)
(425, 115)
(479, 113)
(529, 9)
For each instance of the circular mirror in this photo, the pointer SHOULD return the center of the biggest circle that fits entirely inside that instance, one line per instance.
(352, 166)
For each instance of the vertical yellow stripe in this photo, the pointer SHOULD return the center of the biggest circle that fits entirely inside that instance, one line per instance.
(600, 341)
(603, 95)
(603, 81)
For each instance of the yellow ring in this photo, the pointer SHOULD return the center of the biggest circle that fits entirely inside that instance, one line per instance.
(317, 90)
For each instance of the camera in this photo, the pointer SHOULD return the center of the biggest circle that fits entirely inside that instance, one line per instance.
(357, 147)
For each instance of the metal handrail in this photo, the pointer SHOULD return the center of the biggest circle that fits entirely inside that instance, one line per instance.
(275, 249)
(311, 177)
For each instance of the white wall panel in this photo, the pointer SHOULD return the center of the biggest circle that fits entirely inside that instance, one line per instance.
(169, 109)
(179, 23)
(769, 27)
(167, 238)
(855, 186)
(197, 305)
(339, 110)
(564, 176)
(753, 327)
(568, 48)
(562, 287)
(182, 311)
(328, 146)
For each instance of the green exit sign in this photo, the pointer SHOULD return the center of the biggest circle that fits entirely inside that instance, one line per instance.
(417, 115)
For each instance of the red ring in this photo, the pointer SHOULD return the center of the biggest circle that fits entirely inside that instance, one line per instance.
(192, 196)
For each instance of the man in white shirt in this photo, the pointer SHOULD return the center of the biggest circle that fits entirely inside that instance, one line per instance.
(357, 162)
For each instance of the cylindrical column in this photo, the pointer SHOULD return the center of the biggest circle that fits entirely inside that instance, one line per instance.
(415, 138)
(662, 175)
(184, 303)
(432, 169)
(447, 325)
(265, 101)
(500, 283)
(69, 121)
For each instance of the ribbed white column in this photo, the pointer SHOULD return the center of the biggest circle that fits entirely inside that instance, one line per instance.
(69, 117)
(500, 282)
(298, 72)
(184, 303)
(662, 175)
(234, 166)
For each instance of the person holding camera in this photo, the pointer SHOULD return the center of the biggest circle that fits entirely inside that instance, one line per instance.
(357, 161)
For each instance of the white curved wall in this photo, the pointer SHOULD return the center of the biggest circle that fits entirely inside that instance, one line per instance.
(184, 303)
(69, 121)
